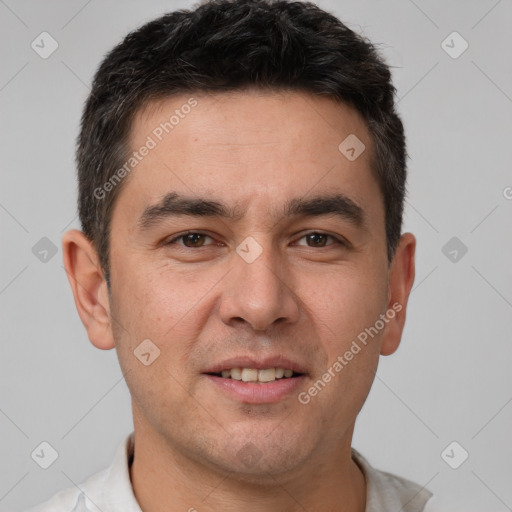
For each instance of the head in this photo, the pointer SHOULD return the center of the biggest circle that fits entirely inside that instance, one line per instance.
(267, 131)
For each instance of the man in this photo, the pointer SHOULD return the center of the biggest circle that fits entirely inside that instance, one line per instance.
(241, 184)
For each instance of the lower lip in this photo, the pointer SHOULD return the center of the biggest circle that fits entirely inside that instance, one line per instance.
(256, 393)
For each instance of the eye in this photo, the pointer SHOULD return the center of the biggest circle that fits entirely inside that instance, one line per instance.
(192, 239)
(318, 239)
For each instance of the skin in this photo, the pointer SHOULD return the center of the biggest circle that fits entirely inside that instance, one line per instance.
(202, 305)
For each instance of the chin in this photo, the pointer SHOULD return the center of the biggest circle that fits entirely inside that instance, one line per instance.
(260, 455)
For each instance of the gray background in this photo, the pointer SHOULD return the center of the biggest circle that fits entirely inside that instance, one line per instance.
(450, 379)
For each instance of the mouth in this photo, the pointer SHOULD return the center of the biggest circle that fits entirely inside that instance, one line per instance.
(249, 381)
(260, 376)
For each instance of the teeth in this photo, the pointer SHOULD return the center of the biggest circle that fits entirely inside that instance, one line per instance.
(267, 375)
(236, 373)
(249, 375)
(254, 375)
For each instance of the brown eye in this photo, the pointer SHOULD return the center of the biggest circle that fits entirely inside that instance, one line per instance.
(190, 240)
(317, 239)
(194, 239)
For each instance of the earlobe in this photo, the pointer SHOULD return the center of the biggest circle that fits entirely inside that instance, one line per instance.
(401, 279)
(89, 287)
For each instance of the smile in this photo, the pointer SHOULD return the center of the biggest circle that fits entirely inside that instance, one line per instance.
(254, 375)
(244, 384)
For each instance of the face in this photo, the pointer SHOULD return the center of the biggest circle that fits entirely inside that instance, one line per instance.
(284, 267)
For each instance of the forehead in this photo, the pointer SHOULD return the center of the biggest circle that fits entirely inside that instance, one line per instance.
(251, 117)
(249, 146)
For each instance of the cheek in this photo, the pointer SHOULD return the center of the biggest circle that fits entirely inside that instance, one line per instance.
(170, 307)
(344, 312)
(157, 300)
(159, 306)
(345, 302)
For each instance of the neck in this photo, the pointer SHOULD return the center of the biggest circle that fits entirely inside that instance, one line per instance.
(165, 479)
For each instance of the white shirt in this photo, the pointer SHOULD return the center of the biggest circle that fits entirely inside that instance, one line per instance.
(110, 490)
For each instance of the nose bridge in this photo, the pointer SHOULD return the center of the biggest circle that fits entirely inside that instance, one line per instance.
(259, 290)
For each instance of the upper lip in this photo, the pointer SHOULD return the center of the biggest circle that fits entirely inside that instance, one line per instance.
(258, 364)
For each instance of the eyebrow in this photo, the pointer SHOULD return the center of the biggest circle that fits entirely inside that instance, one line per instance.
(174, 204)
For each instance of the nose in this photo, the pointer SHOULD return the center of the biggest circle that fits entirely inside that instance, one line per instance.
(259, 293)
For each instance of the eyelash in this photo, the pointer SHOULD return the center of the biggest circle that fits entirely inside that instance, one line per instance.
(183, 235)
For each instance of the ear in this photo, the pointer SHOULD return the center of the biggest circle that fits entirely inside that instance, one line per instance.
(89, 287)
(401, 279)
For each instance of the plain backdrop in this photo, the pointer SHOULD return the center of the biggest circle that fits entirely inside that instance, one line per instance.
(449, 381)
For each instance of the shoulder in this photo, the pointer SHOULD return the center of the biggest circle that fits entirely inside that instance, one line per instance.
(386, 491)
(108, 489)
(437, 504)
(74, 499)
